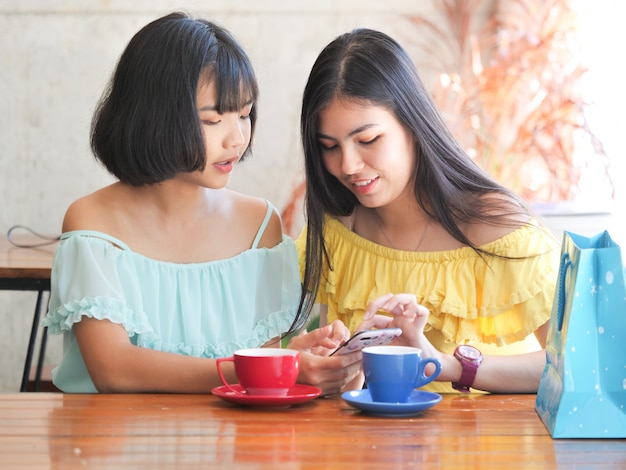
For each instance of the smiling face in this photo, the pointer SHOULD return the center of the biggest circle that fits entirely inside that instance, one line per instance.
(366, 148)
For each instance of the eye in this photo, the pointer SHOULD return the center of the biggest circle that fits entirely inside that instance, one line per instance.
(208, 122)
(327, 144)
(371, 141)
(246, 111)
(328, 147)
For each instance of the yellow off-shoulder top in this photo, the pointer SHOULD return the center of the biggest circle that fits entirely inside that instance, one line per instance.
(493, 303)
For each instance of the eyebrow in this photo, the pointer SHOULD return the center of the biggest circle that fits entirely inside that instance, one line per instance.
(352, 133)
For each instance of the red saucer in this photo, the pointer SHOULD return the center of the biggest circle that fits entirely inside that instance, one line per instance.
(298, 394)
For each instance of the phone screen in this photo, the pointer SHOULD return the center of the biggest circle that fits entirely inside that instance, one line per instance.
(362, 339)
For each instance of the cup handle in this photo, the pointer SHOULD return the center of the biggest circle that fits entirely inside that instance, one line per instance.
(422, 378)
(218, 363)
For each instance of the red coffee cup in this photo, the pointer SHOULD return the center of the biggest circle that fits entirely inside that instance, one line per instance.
(263, 371)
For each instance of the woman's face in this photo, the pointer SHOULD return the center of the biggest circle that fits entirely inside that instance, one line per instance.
(226, 137)
(366, 148)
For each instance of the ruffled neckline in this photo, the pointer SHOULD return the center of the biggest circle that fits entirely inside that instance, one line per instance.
(471, 298)
(500, 246)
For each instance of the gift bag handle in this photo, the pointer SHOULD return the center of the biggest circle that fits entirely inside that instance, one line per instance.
(566, 263)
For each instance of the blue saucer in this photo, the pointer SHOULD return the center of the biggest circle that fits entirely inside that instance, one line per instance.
(420, 401)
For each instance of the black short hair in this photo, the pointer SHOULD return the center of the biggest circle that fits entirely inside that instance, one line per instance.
(145, 128)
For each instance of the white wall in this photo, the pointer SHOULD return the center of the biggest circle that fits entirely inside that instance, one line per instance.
(55, 58)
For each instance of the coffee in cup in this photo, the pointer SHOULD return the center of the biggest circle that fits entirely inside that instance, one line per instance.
(263, 371)
(393, 372)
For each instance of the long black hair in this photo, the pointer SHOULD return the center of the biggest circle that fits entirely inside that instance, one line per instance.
(368, 66)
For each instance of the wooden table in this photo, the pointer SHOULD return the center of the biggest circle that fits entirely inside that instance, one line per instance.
(48, 430)
(28, 269)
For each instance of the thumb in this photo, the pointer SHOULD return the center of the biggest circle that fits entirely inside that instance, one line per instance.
(320, 333)
(307, 340)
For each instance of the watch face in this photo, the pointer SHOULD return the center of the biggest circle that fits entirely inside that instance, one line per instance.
(469, 352)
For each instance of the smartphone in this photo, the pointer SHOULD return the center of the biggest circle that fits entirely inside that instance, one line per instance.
(365, 338)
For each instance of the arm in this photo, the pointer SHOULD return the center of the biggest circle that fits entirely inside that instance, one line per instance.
(116, 365)
(519, 373)
(499, 374)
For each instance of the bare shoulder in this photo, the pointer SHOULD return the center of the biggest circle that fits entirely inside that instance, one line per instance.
(87, 213)
(508, 216)
(254, 209)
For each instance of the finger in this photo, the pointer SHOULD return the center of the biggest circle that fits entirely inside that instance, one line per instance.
(340, 331)
(325, 347)
(395, 307)
(377, 321)
(329, 373)
(350, 369)
(376, 304)
(401, 304)
(405, 305)
(348, 359)
(406, 298)
(396, 304)
(310, 339)
(422, 311)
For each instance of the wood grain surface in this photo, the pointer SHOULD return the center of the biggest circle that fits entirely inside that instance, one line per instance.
(54, 430)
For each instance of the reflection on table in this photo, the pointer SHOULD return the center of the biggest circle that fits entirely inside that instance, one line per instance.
(132, 431)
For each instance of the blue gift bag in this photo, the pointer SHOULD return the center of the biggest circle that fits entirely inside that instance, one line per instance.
(582, 393)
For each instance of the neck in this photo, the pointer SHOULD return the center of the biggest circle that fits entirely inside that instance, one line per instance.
(176, 203)
(400, 229)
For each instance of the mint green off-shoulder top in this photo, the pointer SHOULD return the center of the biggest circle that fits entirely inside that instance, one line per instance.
(205, 309)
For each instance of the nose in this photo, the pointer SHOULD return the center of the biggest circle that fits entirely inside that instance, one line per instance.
(235, 135)
(351, 162)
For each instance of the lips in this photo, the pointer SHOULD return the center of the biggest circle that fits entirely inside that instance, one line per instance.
(364, 186)
(226, 166)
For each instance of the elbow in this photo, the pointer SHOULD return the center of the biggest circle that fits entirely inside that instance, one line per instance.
(107, 387)
(109, 379)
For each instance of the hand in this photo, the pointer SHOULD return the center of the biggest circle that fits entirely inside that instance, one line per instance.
(406, 314)
(322, 341)
(317, 367)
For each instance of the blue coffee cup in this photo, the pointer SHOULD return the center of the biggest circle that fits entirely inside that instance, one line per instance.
(392, 373)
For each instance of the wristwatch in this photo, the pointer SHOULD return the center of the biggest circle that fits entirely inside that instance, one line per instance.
(470, 358)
